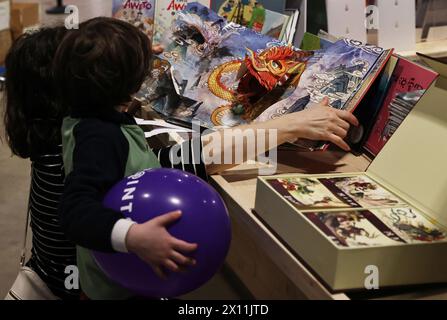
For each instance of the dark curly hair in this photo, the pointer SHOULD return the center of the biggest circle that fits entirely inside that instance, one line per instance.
(32, 116)
(101, 65)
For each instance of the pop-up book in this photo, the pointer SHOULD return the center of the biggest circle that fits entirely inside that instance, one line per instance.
(391, 218)
(240, 75)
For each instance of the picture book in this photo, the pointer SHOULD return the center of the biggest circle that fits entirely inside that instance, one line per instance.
(345, 73)
(206, 54)
(307, 193)
(139, 13)
(377, 227)
(274, 24)
(253, 15)
(240, 75)
(354, 210)
(165, 13)
(408, 77)
(369, 107)
(338, 74)
(353, 228)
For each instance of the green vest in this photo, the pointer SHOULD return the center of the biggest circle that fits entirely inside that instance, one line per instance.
(94, 282)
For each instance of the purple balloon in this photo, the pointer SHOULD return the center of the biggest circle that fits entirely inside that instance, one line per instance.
(205, 221)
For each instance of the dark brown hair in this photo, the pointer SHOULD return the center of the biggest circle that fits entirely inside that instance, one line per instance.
(32, 116)
(100, 65)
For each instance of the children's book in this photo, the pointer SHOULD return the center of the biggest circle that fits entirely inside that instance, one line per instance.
(408, 82)
(274, 24)
(377, 227)
(345, 73)
(165, 13)
(308, 193)
(340, 223)
(252, 14)
(206, 53)
(139, 13)
(369, 107)
(241, 76)
(291, 27)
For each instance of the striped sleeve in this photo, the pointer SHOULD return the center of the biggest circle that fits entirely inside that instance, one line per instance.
(186, 156)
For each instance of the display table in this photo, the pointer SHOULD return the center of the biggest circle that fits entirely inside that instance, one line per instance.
(262, 261)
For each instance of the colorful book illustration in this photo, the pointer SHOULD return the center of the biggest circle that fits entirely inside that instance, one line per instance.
(165, 13)
(338, 74)
(377, 227)
(274, 24)
(356, 211)
(306, 193)
(354, 228)
(253, 15)
(139, 13)
(345, 73)
(248, 13)
(411, 225)
(363, 190)
(206, 54)
(241, 76)
(407, 77)
(309, 193)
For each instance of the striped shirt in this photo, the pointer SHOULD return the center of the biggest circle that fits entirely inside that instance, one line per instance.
(51, 252)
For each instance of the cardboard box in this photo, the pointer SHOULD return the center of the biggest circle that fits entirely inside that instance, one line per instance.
(24, 16)
(5, 44)
(5, 14)
(412, 167)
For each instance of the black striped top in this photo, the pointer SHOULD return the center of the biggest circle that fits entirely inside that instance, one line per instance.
(51, 252)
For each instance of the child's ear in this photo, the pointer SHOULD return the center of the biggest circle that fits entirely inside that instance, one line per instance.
(133, 107)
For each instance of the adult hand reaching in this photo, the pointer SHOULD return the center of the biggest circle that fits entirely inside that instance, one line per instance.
(323, 123)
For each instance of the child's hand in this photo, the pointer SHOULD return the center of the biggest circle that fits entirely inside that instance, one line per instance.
(154, 245)
(157, 49)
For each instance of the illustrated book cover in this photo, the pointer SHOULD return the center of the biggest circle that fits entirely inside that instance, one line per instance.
(139, 13)
(408, 82)
(165, 13)
(240, 75)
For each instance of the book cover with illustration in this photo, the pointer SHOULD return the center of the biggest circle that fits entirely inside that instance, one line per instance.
(309, 193)
(253, 15)
(139, 13)
(409, 81)
(356, 211)
(345, 73)
(165, 13)
(377, 227)
(206, 54)
(240, 75)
